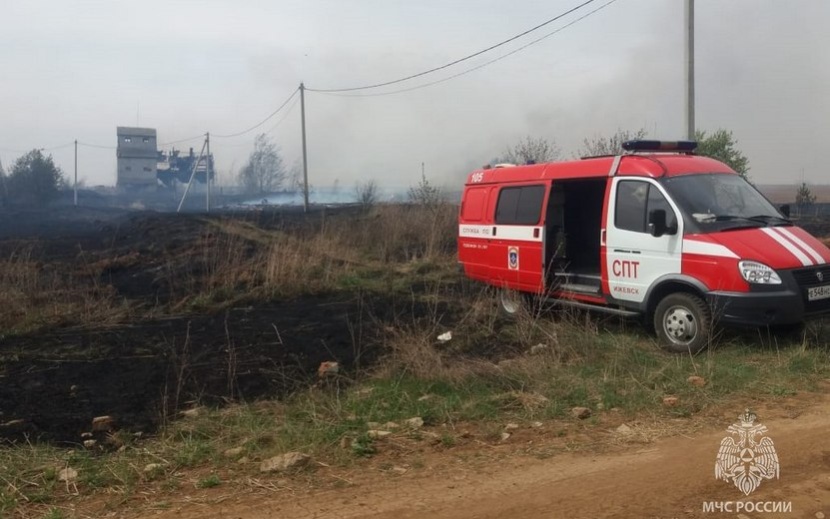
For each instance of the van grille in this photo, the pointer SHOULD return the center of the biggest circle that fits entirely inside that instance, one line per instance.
(809, 277)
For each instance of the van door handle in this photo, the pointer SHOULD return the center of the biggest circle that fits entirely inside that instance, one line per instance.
(494, 230)
(602, 237)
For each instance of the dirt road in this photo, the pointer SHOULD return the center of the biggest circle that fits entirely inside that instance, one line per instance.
(665, 479)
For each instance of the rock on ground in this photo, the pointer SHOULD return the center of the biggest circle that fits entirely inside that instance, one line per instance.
(103, 423)
(581, 412)
(233, 452)
(283, 462)
(670, 401)
(416, 422)
(696, 381)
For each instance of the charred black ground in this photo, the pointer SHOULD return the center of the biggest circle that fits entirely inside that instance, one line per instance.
(160, 357)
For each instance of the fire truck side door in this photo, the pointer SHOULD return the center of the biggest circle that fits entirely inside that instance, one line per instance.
(635, 258)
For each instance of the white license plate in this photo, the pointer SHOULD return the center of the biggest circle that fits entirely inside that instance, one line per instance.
(816, 293)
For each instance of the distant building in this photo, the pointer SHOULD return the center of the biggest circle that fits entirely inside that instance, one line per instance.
(174, 167)
(137, 157)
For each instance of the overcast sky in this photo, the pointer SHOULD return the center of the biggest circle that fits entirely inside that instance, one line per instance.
(77, 69)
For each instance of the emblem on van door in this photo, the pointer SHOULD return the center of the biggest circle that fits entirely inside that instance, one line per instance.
(820, 276)
(513, 258)
(744, 461)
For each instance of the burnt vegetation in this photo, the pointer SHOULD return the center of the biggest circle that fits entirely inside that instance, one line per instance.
(138, 315)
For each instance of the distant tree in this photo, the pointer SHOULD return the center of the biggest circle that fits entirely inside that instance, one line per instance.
(721, 145)
(531, 149)
(599, 145)
(366, 193)
(804, 198)
(265, 171)
(34, 177)
(425, 193)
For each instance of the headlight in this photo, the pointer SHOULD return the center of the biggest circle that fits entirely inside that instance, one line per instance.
(758, 273)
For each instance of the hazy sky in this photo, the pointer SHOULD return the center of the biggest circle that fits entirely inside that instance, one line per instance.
(77, 69)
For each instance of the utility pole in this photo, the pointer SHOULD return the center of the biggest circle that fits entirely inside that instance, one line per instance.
(305, 155)
(192, 174)
(76, 173)
(207, 170)
(690, 69)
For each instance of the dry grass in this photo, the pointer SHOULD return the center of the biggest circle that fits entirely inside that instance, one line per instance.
(238, 260)
(401, 233)
(412, 351)
(34, 294)
(229, 261)
(485, 344)
(227, 266)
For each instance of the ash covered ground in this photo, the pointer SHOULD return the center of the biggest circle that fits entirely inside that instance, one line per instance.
(162, 352)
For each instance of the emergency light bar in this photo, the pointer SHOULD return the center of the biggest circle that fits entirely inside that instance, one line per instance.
(678, 146)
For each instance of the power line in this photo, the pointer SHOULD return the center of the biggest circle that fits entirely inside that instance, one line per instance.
(473, 69)
(254, 127)
(200, 136)
(284, 117)
(51, 148)
(455, 62)
(268, 131)
(100, 146)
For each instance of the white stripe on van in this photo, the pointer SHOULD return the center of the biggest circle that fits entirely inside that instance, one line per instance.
(502, 232)
(788, 245)
(798, 241)
(707, 249)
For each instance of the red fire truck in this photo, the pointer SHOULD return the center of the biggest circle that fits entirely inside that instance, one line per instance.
(658, 232)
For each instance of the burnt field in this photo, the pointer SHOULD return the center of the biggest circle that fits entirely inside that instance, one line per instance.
(138, 315)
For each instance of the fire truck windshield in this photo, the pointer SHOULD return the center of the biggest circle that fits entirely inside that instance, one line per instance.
(720, 202)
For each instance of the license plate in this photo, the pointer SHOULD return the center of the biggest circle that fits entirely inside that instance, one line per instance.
(816, 293)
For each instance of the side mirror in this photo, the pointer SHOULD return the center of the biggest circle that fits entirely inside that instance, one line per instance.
(657, 222)
(785, 210)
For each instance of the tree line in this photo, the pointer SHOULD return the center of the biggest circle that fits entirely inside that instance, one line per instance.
(35, 178)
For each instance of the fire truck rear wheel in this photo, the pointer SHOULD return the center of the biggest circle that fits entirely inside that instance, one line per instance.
(512, 303)
(683, 323)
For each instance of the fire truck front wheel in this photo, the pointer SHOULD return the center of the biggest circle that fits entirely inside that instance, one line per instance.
(683, 323)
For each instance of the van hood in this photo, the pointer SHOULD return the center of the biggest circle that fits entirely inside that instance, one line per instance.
(778, 247)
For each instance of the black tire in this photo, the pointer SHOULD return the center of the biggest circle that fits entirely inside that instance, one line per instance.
(683, 323)
(512, 303)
